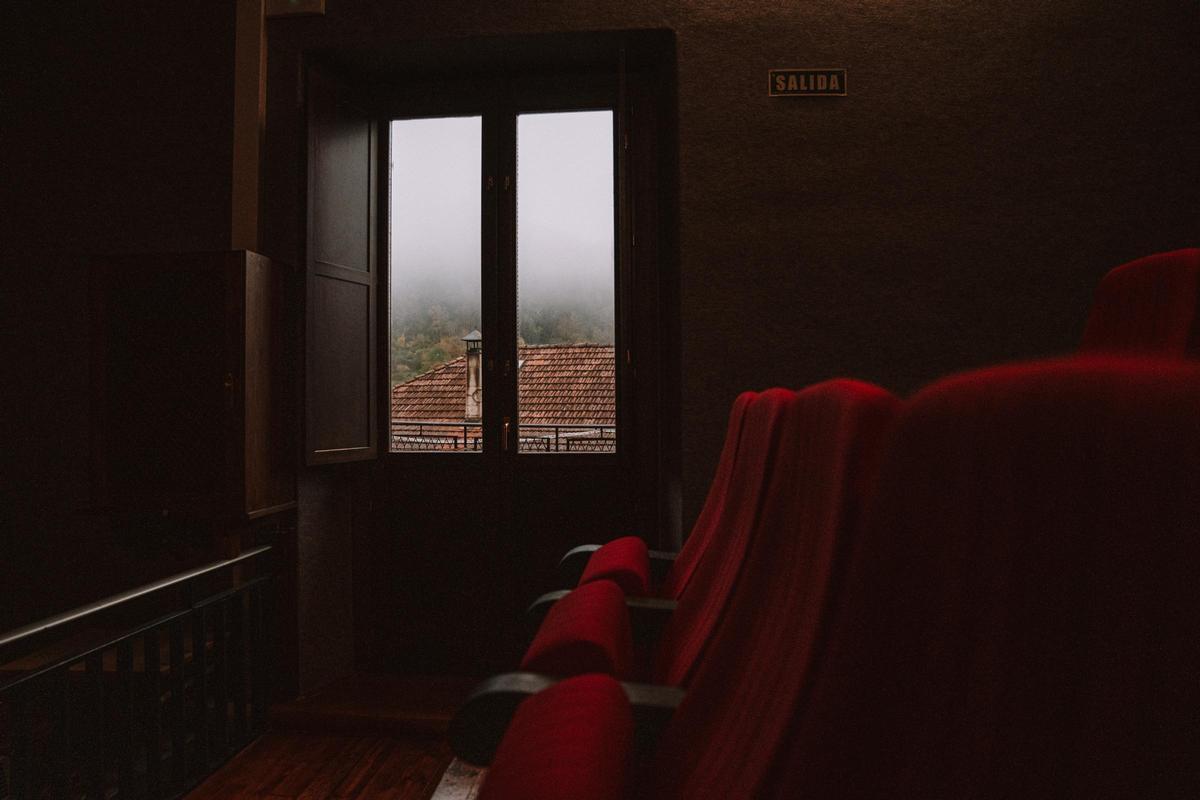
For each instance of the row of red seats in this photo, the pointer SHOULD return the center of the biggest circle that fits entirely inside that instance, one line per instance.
(985, 590)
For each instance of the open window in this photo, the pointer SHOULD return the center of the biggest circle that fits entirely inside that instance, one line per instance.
(493, 319)
(446, 362)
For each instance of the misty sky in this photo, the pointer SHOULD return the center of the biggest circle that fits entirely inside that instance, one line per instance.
(564, 206)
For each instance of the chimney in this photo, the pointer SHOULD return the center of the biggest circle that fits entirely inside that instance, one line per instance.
(474, 406)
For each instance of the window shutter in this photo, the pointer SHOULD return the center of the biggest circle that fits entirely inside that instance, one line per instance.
(340, 337)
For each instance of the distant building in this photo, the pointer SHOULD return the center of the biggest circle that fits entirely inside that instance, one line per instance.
(566, 393)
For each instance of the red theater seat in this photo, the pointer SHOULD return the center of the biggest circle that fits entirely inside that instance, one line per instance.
(1017, 617)
(1151, 305)
(1021, 614)
(586, 631)
(627, 560)
(774, 420)
(755, 666)
(573, 740)
(710, 581)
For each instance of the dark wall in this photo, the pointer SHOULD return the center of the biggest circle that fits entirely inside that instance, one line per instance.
(990, 163)
(116, 136)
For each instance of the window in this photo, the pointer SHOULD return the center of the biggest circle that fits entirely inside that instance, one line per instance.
(566, 312)
(435, 239)
(519, 315)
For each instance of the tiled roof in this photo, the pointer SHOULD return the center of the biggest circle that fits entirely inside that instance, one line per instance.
(560, 384)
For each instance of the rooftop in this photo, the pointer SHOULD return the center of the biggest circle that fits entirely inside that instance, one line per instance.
(560, 384)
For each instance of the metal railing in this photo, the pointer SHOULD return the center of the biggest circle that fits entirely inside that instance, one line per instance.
(146, 713)
(436, 436)
(420, 436)
(568, 439)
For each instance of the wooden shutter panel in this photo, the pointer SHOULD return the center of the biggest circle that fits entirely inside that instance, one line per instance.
(340, 338)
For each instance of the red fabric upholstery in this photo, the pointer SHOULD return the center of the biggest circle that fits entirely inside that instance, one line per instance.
(753, 675)
(1151, 305)
(709, 525)
(713, 579)
(1021, 616)
(586, 631)
(624, 561)
(572, 741)
(583, 635)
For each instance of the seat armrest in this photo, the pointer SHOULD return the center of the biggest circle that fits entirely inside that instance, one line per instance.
(481, 721)
(647, 615)
(536, 613)
(571, 565)
(624, 560)
(661, 562)
(653, 706)
(647, 618)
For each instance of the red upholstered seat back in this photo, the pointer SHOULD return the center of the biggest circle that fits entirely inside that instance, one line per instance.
(572, 740)
(586, 631)
(712, 515)
(712, 580)
(1022, 616)
(1151, 305)
(756, 666)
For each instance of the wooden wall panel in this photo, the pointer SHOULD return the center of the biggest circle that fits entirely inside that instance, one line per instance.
(340, 344)
(339, 400)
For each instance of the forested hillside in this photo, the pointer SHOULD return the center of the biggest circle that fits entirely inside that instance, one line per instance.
(426, 332)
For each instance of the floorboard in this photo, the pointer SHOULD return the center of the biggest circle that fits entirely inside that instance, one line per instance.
(364, 738)
(293, 765)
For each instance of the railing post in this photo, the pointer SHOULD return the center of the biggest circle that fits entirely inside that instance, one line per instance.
(94, 778)
(153, 732)
(200, 687)
(125, 744)
(258, 700)
(60, 732)
(221, 675)
(237, 637)
(24, 785)
(178, 707)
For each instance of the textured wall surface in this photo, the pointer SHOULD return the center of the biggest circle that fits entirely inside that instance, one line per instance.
(115, 136)
(990, 162)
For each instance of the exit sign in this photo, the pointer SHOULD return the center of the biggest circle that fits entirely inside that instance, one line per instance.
(806, 82)
(294, 8)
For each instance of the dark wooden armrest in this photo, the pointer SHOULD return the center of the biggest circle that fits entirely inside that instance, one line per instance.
(539, 608)
(477, 728)
(653, 707)
(571, 565)
(647, 615)
(661, 562)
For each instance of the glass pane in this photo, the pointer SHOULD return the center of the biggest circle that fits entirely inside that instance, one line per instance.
(566, 387)
(435, 234)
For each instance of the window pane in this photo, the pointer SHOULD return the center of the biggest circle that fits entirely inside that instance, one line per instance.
(435, 238)
(566, 316)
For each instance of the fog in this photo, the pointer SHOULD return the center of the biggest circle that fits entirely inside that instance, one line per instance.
(434, 209)
(564, 206)
(564, 212)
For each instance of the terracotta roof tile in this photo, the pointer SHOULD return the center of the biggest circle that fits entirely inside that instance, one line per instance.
(564, 384)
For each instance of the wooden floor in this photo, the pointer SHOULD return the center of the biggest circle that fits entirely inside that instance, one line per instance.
(367, 737)
(313, 766)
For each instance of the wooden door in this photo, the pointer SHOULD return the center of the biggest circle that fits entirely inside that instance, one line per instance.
(471, 508)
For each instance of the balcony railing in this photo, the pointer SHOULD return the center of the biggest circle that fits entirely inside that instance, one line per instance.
(416, 435)
(147, 711)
